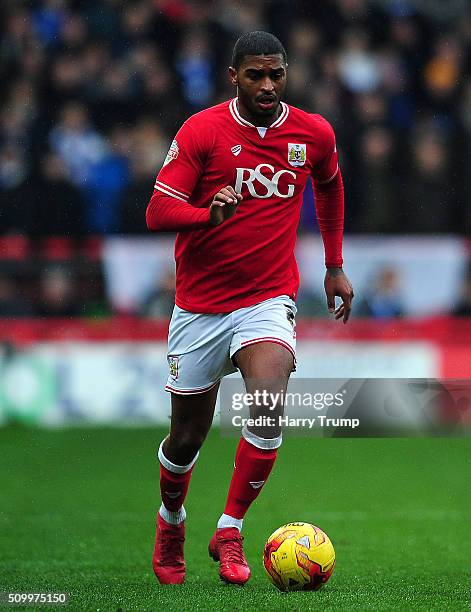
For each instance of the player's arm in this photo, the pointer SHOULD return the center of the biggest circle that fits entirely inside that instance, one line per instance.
(164, 214)
(167, 214)
(169, 208)
(329, 199)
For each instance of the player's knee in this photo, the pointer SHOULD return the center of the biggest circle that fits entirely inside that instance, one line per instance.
(184, 447)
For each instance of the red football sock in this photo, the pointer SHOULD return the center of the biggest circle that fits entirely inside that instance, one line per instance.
(174, 481)
(252, 468)
(173, 488)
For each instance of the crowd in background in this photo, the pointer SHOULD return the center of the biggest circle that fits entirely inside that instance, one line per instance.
(93, 92)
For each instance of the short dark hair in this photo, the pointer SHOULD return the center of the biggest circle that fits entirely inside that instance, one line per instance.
(256, 43)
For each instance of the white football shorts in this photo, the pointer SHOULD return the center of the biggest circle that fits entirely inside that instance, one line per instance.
(201, 346)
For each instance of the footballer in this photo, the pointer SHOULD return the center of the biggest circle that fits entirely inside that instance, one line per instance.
(232, 188)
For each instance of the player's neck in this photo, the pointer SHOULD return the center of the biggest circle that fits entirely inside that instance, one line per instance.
(256, 120)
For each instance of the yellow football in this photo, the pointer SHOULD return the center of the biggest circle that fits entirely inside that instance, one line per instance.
(299, 556)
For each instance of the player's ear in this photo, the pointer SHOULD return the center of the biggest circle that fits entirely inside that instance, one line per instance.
(233, 75)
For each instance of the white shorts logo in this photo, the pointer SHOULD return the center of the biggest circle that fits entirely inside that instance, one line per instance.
(173, 366)
(248, 176)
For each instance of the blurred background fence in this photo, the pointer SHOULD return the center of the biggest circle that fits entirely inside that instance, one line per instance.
(93, 93)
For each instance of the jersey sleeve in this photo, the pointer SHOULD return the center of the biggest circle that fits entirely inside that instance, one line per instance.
(326, 166)
(328, 191)
(183, 165)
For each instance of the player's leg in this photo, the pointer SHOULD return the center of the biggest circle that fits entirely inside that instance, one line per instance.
(266, 367)
(191, 420)
(263, 349)
(198, 352)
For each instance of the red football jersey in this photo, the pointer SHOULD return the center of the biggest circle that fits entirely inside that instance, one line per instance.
(250, 257)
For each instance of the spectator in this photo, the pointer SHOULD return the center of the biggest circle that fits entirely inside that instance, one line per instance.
(194, 66)
(379, 197)
(359, 68)
(99, 172)
(58, 207)
(108, 179)
(77, 143)
(48, 21)
(75, 74)
(383, 300)
(428, 197)
(442, 73)
(57, 293)
(148, 147)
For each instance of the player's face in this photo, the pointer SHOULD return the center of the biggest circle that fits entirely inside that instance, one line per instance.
(261, 82)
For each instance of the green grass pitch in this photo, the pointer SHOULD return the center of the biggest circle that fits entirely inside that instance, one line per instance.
(77, 516)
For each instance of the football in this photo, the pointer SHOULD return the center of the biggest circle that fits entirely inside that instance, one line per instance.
(299, 557)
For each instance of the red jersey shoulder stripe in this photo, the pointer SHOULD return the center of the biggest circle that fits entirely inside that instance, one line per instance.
(180, 195)
(183, 194)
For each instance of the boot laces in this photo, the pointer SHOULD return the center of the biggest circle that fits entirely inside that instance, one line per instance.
(232, 550)
(171, 544)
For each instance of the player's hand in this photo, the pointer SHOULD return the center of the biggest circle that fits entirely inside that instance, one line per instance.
(336, 283)
(224, 205)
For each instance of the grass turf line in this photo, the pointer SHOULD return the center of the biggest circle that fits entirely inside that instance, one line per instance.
(77, 515)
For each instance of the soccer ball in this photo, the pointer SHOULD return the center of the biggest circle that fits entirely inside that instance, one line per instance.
(299, 557)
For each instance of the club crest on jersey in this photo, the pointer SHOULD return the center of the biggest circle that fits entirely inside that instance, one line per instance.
(296, 154)
(236, 150)
(172, 152)
(173, 366)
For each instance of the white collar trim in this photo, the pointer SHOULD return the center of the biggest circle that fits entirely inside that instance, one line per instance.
(237, 116)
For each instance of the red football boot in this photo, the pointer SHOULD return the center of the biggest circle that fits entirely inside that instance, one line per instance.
(168, 561)
(226, 547)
